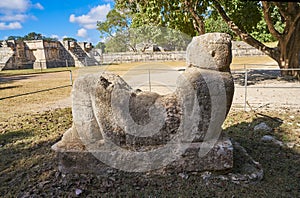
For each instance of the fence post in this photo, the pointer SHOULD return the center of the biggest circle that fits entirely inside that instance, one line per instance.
(67, 65)
(245, 84)
(71, 78)
(41, 66)
(149, 78)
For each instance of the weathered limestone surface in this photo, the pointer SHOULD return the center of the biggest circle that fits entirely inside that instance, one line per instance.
(80, 53)
(116, 127)
(41, 54)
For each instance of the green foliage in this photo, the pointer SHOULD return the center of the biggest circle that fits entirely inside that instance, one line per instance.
(215, 23)
(16, 38)
(175, 14)
(123, 31)
(171, 14)
(116, 43)
(101, 45)
(69, 39)
(166, 38)
(115, 22)
(261, 33)
(31, 36)
(143, 37)
(246, 14)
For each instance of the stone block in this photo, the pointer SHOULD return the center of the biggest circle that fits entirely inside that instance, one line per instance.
(79, 160)
(138, 131)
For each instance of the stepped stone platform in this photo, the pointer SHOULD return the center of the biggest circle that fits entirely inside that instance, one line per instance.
(42, 54)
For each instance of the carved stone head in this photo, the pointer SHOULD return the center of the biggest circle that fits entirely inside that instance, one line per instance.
(210, 51)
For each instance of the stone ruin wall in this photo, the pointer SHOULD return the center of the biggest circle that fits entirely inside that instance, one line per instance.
(239, 48)
(127, 57)
(40, 54)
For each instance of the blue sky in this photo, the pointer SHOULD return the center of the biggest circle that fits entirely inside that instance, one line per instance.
(53, 18)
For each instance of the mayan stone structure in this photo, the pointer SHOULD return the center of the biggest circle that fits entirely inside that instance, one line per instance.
(118, 128)
(41, 54)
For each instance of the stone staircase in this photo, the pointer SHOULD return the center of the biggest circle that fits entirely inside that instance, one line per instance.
(81, 57)
(90, 60)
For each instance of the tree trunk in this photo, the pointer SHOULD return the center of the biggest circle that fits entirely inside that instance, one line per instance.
(289, 40)
(289, 47)
(287, 52)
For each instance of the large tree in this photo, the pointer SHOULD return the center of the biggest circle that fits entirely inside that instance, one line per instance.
(287, 52)
(122, 31)
(247, 19)
(115, 29)
(183, 15)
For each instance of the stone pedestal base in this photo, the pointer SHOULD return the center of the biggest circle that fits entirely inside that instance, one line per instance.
(219, 158)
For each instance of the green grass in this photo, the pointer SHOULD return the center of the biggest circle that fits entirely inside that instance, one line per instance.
(29, 168)
(34, 71)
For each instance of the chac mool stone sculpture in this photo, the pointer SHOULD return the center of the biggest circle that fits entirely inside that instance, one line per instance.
(116, 127)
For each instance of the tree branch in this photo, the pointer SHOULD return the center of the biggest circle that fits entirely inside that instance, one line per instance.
(198, 22)
(272, 52)
(291, 28)
(282, 9)
(269, 21)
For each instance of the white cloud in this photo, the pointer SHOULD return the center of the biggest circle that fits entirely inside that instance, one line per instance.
(89, 20)
(14, 5)
(15, 12)
(38, 6)
(10, 26)
(17, 17)
(82, 33)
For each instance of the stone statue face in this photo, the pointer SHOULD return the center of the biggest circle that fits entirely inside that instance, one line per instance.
(210, 51)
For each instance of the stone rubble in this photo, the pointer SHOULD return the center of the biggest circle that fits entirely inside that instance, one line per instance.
(262, 126)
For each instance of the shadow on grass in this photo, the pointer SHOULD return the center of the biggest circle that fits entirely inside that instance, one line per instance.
(27, 161)
(257, 76)
(280, 163)
(34, 92)
(33, 172)
(10, 87)
(13, 136)
(9, 79)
